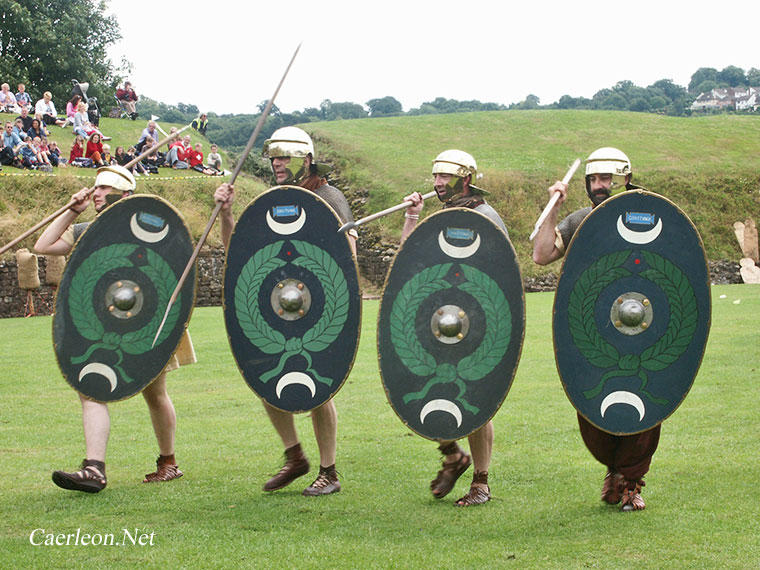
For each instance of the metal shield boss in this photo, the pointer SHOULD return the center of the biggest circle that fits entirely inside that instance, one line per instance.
(113, 295)
(292, 304)
(631, 312)
(451, 324)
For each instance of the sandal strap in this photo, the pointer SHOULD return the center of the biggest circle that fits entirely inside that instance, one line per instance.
(476, 496)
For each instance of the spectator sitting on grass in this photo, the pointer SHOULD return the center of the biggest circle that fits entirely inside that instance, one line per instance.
(8, 100)
(55, 154)
(136, 169)
(94, 149)
(23, 99)
(196, 161)
(18, 128)
(175, 157)
(37, 129)
(26, 119)
(76, 154)
(107, 158)
(200, 124)
(214, 159)
(148, 132)
(42, 152)
(46, 108)
(155, 158)
(11, 145)
(71, 109)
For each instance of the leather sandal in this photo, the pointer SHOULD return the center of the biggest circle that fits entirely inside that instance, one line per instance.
(632, 500)
(326, 483)
(91, 477)
(477, 495)
(449, 473)
(165, 471)
(612, 488)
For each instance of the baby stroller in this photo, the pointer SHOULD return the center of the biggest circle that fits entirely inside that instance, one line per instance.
(93, 113)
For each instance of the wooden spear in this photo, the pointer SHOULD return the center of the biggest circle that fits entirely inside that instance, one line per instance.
(376, 215)
(553, 199)
(218, 206)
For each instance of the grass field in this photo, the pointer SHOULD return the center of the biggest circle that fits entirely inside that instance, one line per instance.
(545, 513)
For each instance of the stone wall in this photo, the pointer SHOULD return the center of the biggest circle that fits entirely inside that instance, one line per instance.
(374, 260)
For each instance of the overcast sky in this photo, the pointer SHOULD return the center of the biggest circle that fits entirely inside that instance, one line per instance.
(227, 56)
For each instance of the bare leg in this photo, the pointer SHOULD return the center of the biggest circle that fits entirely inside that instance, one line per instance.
(325, 422)
(162, 414)
(285, 425)
(481, 447)
(97, 427)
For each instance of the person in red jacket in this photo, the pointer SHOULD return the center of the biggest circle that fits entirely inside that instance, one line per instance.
(94, 150)
(128, 98)
(195, 159)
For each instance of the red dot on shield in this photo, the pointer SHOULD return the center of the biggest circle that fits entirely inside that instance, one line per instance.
(288, 253)
(456, 274)
(637, 261)
(139, 256)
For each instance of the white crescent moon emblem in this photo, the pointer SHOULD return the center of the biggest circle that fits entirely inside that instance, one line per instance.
(458, 252)
(141, 234)
(296, 378)
(623, 397)
(286, 229)
(441, 406)
(638, 237)
(103, 370)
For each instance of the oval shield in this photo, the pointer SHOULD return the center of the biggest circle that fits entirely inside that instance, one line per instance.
(631, 312)
(292, 304)
(451, 324)
(113, 295)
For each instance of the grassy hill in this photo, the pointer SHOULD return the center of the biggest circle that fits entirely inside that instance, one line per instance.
(709, 166)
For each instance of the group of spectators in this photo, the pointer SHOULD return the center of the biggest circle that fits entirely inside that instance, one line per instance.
(180, 155)
(26, 141)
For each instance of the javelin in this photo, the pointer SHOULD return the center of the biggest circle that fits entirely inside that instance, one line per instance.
(218, 207)
(554, 198)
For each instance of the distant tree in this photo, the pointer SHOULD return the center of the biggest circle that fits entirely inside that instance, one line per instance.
(669, 89)
(384, 107)
(706, 86)
(753, 77)
(46, 44)
(273, 112)
(188, 109)
(733, 76)
(639, 104)
(657, 103)
(700, 76)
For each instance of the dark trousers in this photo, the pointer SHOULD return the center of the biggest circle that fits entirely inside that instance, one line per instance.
(629, 455)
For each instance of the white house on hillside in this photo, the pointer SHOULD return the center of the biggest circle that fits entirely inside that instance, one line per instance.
(736, 98)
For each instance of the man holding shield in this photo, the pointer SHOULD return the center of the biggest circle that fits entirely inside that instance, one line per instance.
(627, 457)
(291, 153)
(453, 172)
(111, 184)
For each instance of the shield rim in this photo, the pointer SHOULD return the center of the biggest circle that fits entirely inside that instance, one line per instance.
(189, 315)
(224, 300)
(709, 306)
(522, 336)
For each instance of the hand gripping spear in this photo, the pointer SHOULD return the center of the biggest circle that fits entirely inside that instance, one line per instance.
(72, 202)
(376, 215)
(218, 207)
(553, 199)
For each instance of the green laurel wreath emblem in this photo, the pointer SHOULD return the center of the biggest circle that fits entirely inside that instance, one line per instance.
(85, 318)
(472, 368)
(668, 348)
(271, 341)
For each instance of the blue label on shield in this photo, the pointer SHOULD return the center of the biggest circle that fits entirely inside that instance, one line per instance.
(639, 218)
(151, 220)
(460, 233)
(284, 211)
